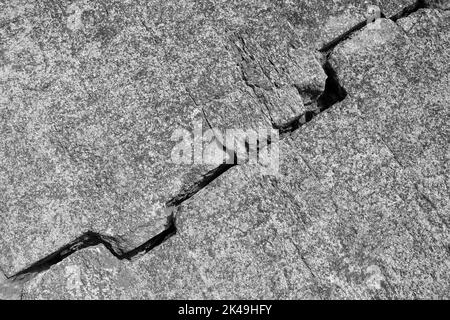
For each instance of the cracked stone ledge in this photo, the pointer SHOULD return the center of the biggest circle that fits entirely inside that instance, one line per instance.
(333, 93)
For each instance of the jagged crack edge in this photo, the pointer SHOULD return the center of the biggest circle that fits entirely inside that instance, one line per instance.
(192, 189)
(403, 13)
(90, 239)
(333, 93)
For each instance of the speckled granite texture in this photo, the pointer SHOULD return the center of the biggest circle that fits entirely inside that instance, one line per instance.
(91, 92)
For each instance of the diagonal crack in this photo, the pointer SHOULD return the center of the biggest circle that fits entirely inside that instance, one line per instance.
(403, 13)
(90, 239)
(192, 189)
(332, 94)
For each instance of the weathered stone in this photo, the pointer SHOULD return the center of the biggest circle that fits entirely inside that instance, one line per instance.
(91, 94)
(340, 221)
(94, 91)
(399, 76)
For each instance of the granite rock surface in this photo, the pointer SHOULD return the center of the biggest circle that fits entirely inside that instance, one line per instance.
(92, 91)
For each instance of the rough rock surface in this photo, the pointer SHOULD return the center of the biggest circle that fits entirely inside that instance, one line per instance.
(92, 91)
(91, 94)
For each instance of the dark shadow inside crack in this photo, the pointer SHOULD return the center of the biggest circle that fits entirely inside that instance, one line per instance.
(332, 94)
(90, 239)
(403, 13)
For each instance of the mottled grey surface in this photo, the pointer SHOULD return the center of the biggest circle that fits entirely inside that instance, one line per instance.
(92, 91)
(91, 94)
(399, 78)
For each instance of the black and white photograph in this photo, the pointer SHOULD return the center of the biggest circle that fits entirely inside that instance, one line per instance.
(240, 152)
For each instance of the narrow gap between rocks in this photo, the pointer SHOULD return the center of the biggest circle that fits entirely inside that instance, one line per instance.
(332, 94)
(90, 239)
(419, 4)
